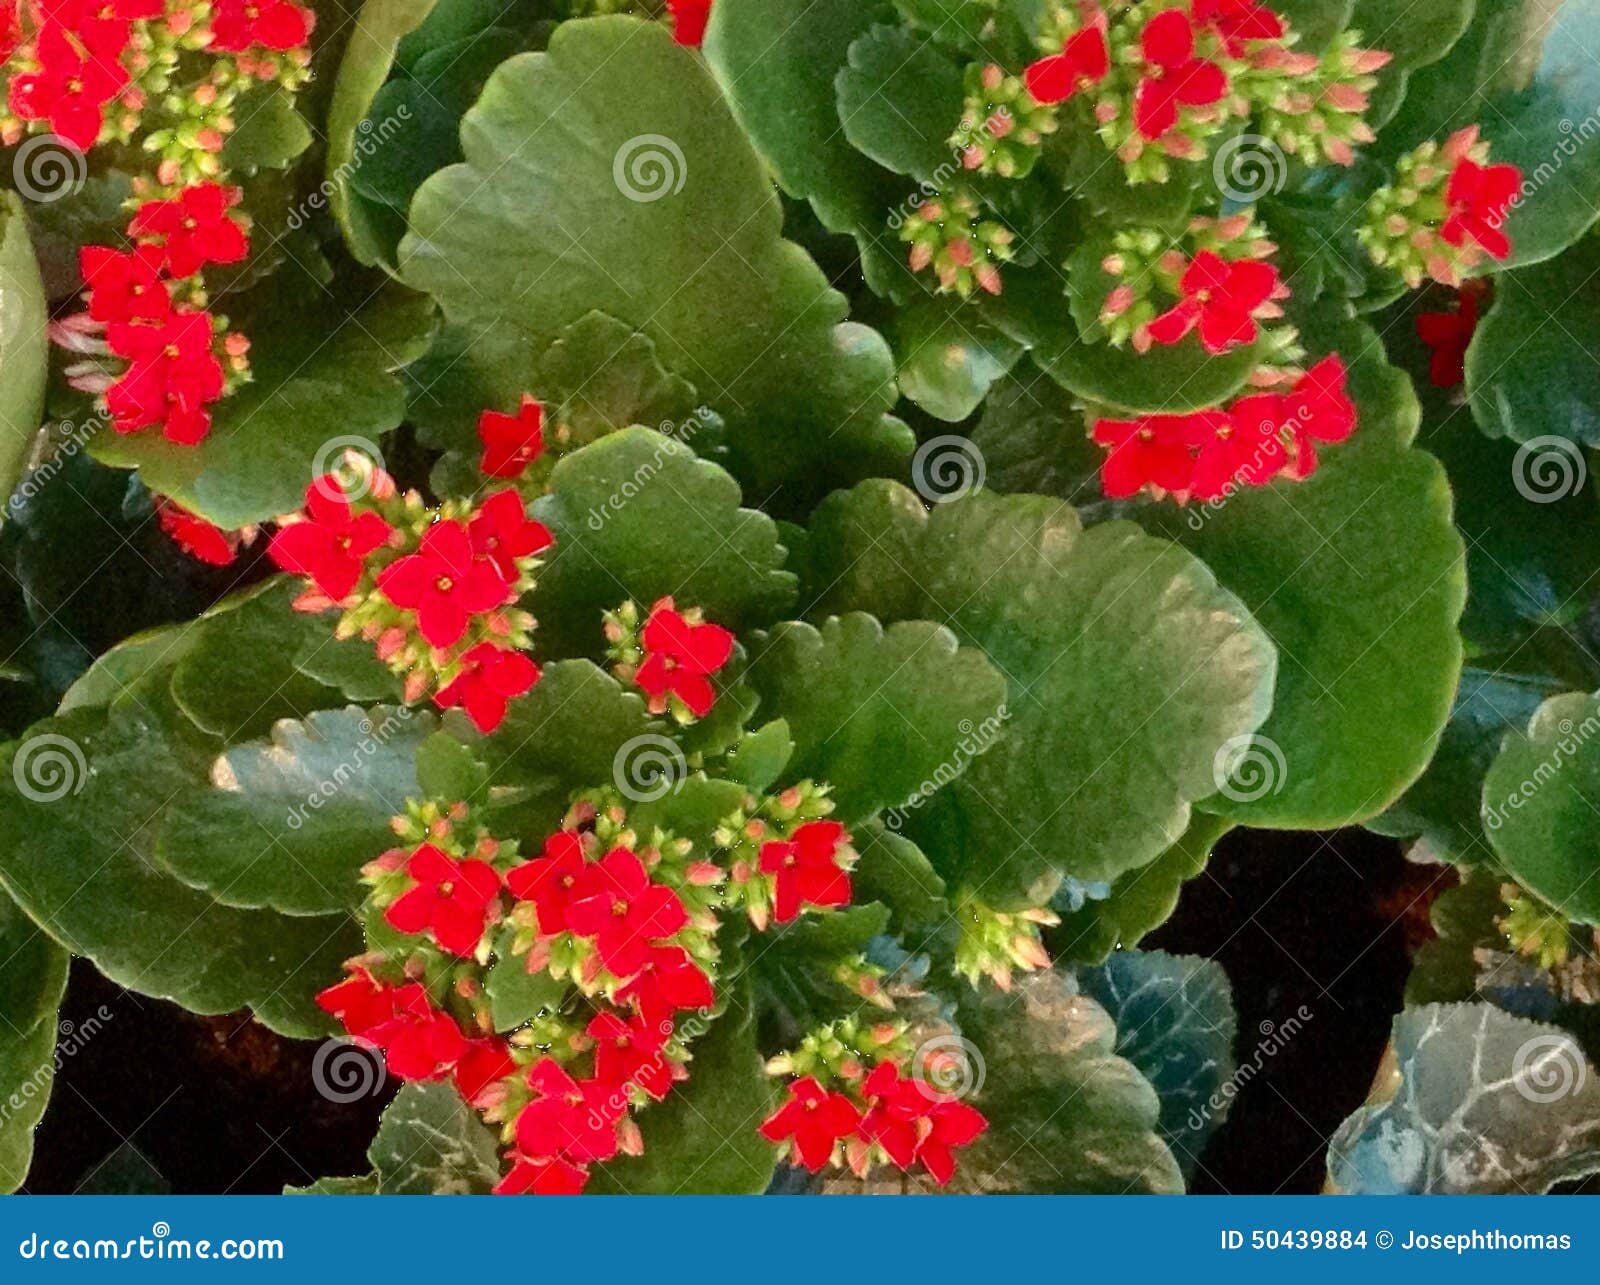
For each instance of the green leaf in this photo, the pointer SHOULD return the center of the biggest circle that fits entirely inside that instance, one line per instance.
(365, 1185)
(1067, 1115)
(826, 936)
(83, 865)
(1128, 669)
(692, 809)
(949, 357)
(1357, 574)
(636, 515)
(1533, 371)
(447, 769)
(621, 137)
(759, 758)
(1033, 440)
(368, 56)
(893, 870)
(1139, 901)
(1316, 21)
(1538, 805)
(1421, 34)
(702, 1139)
(33, 977)
(24, 350)
(604, 375)
(1176, 1023)
(311, 392)
(874, 712)
(1465, 921)
(288, 823)
(431, 1143)
(516, 995)
(1478, 1103)
(900, 100)
(270, 132)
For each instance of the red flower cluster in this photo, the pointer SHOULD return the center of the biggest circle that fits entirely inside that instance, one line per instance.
(1206, 454)
(805, 869)
(78, 72)
(436, 595)
(899, 1116)
(1173, 76)
(238, 25)
(680, 656)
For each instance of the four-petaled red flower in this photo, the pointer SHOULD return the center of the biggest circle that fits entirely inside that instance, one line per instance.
(329, 548)
(812, 1121)
(489, 679)
(1150, 451)
(1173, 77)
(1449, 335)
(1478, 197)
(237, 25)
(1083, 62)
(1223, 298)
(502, 531)
(678, 659)
(689, 18)
(1241, 444)
(669, 982)
(628, 1052)
(1238, 22)
(911, 1121)
(452, 898)
(193, 229)
(511, 442)
(418, 1041)
(198, 538)
(615, 903)
(568, 1118)
(78, 75)
(550, 1177)
(1318, 409)
(444, 582)
(124, 287)
(807, 870)
(548, 881)
(171, 376)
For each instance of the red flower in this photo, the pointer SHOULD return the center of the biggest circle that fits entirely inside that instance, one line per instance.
(807, 869)
(1238, 22)
(628, 1053)
(173, 374)
(79, 74)
(577, 1120)
(548, 880)
(236, 25)
(1319, 410)
(689, 18)
(360, 1002)
(452, 898)
(1083, 61)
(1449, 334)
(329, 548)
(1240, 445)
(124, 287)
(953, 1124)
(511, 442)
(480, 1070)
(552, 1177)
(502, 531)
(670, 981)
(193, 229)
(194, 535)
(491, 677)
(1173, 76)
(678, 657)
(418, 1041)
(1478, 197)
(1150, 451)
(616, 904)
(1223, 298)
(444, 583)
(813, 1120)
(894, 1106)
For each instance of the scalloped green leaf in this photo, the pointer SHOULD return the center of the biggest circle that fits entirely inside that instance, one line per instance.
(319, 379)
(270, 133)
(893, 870)
(286, 824)
(1422, 33)
(636, 515)
(900, 99)
(874, 711)
(620, 138)
(431, 1143)
(1088, 626)
(949, 356)
(1539, 802)
(33, 977)
(24, 348)
(1477, 1102)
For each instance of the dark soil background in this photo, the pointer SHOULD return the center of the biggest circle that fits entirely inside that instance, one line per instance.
(158, 1098)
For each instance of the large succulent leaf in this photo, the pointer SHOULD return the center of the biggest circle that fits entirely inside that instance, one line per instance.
(23, 344)
(33, 975)
(431, 1143)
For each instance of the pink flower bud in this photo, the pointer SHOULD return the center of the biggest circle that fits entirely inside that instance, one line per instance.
(1346, 98)
(992, 76)
(921, 256)
(1117, 303)
(988, 278)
